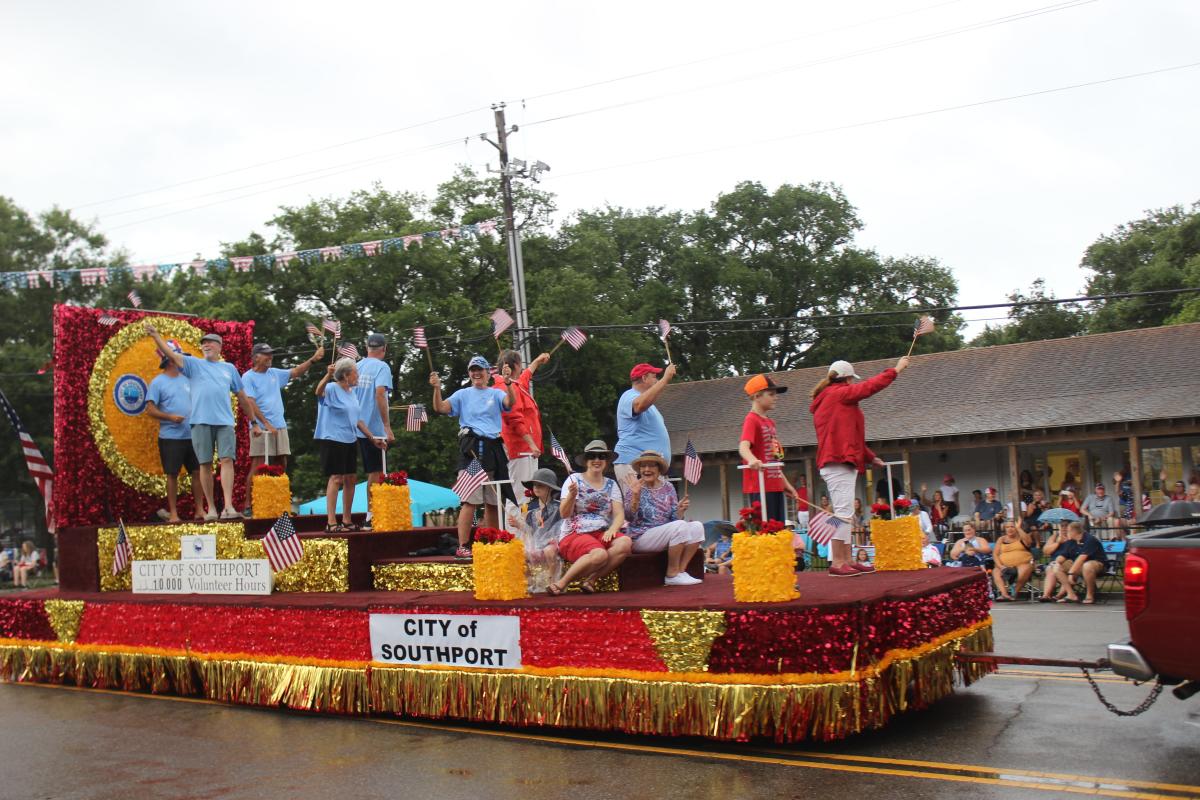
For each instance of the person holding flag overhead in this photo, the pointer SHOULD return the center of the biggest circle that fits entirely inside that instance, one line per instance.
(479, 410)
(339, 425)
(522, 426)
(842, 451)
(169, 401)
(640, 425)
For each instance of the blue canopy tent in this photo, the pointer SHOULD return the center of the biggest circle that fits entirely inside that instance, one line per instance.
(425, 497)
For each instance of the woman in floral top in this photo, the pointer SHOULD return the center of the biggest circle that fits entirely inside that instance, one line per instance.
(653, 508)
(592, 517)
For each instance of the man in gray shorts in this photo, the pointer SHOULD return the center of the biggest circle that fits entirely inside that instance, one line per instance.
(212, 380)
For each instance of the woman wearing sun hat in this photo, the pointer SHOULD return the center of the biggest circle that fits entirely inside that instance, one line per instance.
(842, 451)
(593, 514)
(653, 509)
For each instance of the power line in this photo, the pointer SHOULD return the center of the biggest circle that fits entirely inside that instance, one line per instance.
(880, 121)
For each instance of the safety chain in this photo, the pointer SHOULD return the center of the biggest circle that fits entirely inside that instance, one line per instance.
(1145, 705)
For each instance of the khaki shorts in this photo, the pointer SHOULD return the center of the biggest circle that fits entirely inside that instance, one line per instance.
(280, 444)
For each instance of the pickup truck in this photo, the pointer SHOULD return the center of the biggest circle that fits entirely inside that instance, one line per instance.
(1162, 576)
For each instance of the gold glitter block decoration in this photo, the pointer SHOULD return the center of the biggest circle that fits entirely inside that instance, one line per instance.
(764, 567)
(684, 639)
(897, 543)
(325, 566)
(423, 576)
(161, 543)
(65, 616)
(272, 496)
(391, 507)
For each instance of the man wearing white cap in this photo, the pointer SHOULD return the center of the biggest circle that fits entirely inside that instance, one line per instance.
(842, 451)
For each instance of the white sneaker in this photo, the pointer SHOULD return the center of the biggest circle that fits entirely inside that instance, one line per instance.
(211, 516)
(163, 514)
(689, 579)
(230, 513)
(682, 579)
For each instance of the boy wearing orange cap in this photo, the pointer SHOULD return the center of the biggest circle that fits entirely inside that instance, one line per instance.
(760, 445)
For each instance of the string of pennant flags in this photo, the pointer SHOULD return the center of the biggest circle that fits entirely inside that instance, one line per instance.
(99, 276)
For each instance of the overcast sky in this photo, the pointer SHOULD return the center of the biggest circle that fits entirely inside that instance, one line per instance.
(673, 103)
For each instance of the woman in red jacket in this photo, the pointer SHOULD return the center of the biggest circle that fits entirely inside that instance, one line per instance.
(842, 451)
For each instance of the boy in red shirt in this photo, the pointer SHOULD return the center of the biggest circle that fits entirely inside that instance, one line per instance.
(760, 445)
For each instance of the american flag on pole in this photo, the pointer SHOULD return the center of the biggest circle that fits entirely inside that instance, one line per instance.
(135, 298)
(107, 321)
(416, 417)
(664, 329)
(348, 350)
(42, 475)
(283, 546)
(419, 338)
(823, 527)
(575, 337)
(691, 464)
(922, 326)
(558, 452)
(469, 480)
(123, 554)
(501, 322)
(333, 326)
(312, 329)
(1146, 504)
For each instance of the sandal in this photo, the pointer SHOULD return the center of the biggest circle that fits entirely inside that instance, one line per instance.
(587, 587)
(1091, 602)
(1003, 599)
(336, 528)
(553, 590)
(1068, 600)
(1044, 599)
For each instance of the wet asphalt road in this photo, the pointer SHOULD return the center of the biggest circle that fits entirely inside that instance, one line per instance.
(64, 743)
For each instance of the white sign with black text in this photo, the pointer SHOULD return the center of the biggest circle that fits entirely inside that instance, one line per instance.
(226, 576)
(459, 640)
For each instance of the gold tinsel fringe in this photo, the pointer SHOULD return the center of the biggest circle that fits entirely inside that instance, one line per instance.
(785, 712)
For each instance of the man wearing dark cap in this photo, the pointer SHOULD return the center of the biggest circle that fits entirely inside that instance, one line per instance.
(169, 400)
(264, 384)
(374, 388)
(211, 381)
(640, 426)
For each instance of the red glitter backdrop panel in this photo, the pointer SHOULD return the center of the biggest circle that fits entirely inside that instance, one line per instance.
(87, 490)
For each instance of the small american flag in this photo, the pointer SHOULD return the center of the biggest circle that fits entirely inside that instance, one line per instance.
(39, 470)
(416, 417)
(691, 464)
(123, 553)
(348, 350)
(575, 337)
(823, 527)
(469, 480)
(501, 322)
(664, 329)
(107, 320)
(333, 326)
(922, 326)
(312, 329)
(135, 298)
(558, 452)
(283, 546)
(1146, 505)
(419, 338)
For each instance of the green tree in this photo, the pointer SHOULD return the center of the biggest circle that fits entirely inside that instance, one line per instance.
(1035, 322)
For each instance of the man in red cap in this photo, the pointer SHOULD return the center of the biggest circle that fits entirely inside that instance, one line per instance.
(640, 426)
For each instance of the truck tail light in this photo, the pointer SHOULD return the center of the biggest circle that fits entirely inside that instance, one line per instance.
(1136, 585)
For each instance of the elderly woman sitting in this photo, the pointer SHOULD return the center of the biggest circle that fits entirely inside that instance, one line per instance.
(653, 509)
(338, 423)
(592, 518)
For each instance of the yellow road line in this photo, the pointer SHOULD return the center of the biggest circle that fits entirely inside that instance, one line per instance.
(1097, 787)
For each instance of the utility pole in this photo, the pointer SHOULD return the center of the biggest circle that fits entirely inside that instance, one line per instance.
(512, 237)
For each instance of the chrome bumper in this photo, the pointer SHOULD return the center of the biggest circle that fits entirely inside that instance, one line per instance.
(1128, 662)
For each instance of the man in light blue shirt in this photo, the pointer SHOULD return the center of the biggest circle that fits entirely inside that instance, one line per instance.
(374, 388)
(640, 426)
(264, 384)
(211, 381)
(169, 401)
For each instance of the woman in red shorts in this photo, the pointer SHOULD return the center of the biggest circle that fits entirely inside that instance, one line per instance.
(593, 514)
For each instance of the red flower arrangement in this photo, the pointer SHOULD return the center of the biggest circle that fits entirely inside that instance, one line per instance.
(398, 478)
(492, 536)
(752, 522)
(882, 510)
(270, 470)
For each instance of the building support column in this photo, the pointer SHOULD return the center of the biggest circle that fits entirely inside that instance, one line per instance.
(808, 481)
(908, 484)
(724, 490)
(1135, 476)
(1014, 481)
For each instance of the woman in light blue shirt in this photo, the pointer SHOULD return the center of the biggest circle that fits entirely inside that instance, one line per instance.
(341, 420)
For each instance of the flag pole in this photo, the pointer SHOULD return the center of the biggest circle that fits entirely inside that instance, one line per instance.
(910, 347)
(429, 353)
(561, 342)
(667, 345)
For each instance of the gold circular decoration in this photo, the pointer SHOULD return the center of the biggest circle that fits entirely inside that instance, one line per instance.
(128, 439)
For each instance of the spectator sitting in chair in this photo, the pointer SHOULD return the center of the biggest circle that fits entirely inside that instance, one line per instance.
(972, 544)
(989, 513)
(1100, 510)
(26, 563)
(930, 554)
(1076, 554)
(1013, 562)
(718, 557)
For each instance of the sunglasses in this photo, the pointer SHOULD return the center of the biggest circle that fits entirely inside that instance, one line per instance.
(597, 458)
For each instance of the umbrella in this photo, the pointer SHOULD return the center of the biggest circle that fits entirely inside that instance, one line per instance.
(1058, 515)
(425, 497)
(1176, 511)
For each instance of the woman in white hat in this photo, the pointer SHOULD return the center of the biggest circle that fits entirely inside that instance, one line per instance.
(842, 451)
(593, 515)
(653, 509)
